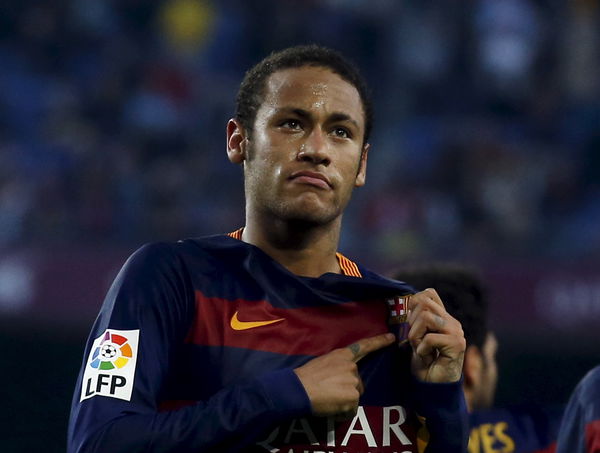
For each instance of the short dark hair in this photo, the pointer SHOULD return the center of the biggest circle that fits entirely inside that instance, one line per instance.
(251, 93)
(462, 291)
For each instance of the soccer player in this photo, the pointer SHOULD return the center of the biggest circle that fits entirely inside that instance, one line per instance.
(267, 338)
(516, 429)
(580, 426)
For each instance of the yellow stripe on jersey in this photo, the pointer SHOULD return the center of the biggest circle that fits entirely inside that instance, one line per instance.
(348, 267)
(237, 234)
(422, 435)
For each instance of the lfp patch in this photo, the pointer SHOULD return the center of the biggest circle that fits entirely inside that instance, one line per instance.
(110, 367)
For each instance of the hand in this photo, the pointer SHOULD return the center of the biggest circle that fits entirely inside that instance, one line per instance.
(332, 382)
(437, 339)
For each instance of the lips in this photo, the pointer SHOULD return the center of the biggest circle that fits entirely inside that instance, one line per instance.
(311, 178)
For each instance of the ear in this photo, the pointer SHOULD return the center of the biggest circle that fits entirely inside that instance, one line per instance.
(472, 367)
(237, 141)
(361, 176)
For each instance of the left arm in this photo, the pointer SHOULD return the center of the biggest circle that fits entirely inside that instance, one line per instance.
(438, 347)
(580, 426)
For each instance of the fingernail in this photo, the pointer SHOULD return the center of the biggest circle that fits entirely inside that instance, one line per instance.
(390, 336)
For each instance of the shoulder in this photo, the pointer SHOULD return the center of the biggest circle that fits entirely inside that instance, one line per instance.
(161, 253)
(588, 388)
(526, 416)
(171, 270)
(153, 251)
(382, 280)
(593, 376)
(154, 257)
(367, 284)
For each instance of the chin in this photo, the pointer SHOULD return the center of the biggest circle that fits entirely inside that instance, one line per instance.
(309, 218)
(309, 214)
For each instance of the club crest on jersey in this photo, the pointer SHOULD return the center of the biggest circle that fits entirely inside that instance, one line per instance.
(110, 367)
(398, 316)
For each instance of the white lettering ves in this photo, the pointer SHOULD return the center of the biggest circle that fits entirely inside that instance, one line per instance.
(372, 427)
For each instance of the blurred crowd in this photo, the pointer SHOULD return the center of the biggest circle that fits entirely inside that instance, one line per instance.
(486, 139)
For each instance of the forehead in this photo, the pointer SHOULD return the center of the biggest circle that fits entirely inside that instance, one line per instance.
(315, 89)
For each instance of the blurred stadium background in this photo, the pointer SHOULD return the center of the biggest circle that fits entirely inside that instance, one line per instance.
(486, 151)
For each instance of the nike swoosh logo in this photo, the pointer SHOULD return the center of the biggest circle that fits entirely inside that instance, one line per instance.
(236, 324)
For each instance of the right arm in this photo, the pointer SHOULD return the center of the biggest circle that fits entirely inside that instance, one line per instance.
(152, 295)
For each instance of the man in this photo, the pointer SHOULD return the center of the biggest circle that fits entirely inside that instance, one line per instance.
(268, 339)
(580, 426)
(518, 429)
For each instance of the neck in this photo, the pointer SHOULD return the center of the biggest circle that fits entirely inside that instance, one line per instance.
(301, 247)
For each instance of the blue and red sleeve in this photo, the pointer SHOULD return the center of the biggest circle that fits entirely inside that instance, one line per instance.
(153, 297)
(445, 416)
(580, 426)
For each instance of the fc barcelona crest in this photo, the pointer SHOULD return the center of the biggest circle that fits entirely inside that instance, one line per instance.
(398, 309)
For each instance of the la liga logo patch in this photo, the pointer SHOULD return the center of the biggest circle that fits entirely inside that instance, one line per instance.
(114, 352)
(110, 368)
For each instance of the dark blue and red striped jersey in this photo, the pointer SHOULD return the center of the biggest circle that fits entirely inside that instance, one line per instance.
(580, 426)
(515, 429)
(194, 351)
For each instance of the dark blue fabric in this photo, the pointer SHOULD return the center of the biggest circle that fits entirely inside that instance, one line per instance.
(238, 395)
(519, 429)
(580, 426)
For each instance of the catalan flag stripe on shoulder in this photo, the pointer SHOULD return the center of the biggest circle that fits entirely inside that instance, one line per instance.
(237, 234)
(349, 267)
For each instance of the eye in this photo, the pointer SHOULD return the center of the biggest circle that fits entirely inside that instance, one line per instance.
(291, 124)
(342, 132)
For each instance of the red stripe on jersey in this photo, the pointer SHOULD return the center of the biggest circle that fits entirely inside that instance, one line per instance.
(303, 331)
(549, 449)
(592, 437)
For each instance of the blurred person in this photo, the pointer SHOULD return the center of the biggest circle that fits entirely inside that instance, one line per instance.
(523, 428)
(508, 36)
(580, 426)
(267, 338)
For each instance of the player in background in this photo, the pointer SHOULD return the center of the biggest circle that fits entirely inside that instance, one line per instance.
(268, 339)
(580, 426)
(518, 429)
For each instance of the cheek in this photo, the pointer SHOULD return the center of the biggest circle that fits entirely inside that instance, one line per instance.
(265, 174)
(351, 172)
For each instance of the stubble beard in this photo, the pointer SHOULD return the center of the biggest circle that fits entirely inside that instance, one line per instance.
(281, 204)
(299, 211)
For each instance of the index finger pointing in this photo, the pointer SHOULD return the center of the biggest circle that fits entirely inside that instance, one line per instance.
(367, 345)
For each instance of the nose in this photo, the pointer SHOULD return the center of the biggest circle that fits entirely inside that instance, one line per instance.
(315, 149)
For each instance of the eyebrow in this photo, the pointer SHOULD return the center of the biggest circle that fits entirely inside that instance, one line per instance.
(333, 118)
